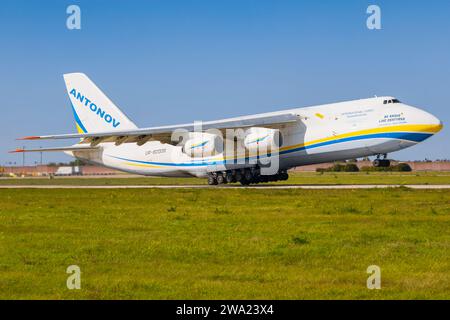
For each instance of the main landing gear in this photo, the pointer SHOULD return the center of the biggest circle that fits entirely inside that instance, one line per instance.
(245, 177)
(381, 163)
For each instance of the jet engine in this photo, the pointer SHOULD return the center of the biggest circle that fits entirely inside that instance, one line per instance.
(202, 144)
(262, 140)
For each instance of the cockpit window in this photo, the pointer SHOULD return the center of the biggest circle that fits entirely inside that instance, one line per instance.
(391, 101)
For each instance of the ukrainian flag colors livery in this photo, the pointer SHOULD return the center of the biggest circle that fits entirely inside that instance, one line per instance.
(309, 135)
(92, 109)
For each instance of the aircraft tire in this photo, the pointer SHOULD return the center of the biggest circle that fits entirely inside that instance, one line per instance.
(212, 181)
(244, 182)
(220, 179)
(376, 163)
(381, 163)
(248, 175)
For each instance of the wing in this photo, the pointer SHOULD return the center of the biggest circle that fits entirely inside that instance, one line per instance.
(71, 148)
(164, 133)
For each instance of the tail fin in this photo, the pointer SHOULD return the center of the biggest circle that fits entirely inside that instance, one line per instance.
(92, 109)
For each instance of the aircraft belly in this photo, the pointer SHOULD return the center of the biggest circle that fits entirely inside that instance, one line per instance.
(343, 151)
(378, 146)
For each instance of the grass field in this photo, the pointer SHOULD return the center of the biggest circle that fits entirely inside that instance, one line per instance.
(304, 178)
(227, 244)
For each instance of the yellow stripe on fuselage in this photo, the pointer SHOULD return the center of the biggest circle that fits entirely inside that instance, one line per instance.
(422, 128)
(419, 128)
(142, 165)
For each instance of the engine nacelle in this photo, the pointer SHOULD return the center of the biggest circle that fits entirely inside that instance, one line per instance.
(202, 144)
(262, 140)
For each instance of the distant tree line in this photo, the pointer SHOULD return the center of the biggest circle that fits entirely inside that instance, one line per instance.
(352, 167)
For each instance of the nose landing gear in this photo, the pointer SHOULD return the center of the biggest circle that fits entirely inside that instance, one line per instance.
(381, 163)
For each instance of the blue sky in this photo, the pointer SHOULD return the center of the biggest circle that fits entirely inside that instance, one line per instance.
(166, 62)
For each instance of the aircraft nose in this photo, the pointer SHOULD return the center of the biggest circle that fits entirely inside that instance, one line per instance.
(435, 123)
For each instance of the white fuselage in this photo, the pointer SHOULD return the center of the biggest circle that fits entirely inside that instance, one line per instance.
(325, 133)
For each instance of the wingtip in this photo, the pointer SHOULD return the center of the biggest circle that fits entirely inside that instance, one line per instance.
(29, 138)
(16, 151)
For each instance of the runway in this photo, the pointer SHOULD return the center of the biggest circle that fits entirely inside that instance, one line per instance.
(263, 187)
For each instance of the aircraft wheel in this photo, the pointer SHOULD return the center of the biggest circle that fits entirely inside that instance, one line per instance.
(245, 182)
(381, 163)
(376, 163)
(220, 179)
(229, 177)
(212, 181)
(248, 175)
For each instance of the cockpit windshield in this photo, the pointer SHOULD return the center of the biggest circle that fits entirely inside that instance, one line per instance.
(391, 101)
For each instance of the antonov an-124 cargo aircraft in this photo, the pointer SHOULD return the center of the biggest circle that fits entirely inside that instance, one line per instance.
(248, 149)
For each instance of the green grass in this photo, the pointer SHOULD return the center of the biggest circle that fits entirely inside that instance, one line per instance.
(304, 178)
(227, 244)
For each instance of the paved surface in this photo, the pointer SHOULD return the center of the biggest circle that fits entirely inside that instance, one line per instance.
(280, 187)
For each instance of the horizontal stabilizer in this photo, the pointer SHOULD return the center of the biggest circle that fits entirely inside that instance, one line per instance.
(71, 148)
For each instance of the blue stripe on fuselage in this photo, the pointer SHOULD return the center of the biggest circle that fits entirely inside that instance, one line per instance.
(410, 136)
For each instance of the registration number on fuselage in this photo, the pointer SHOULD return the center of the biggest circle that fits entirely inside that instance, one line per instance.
(156, 151)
